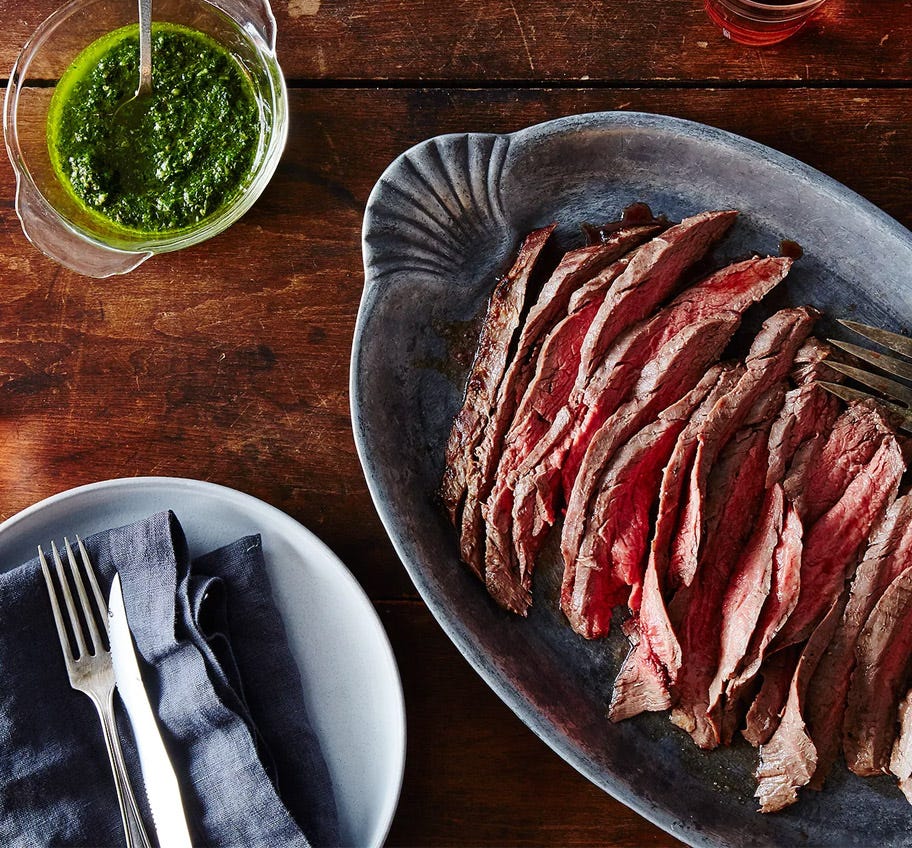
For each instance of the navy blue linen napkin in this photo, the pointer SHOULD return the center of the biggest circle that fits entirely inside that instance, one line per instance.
(219, 675)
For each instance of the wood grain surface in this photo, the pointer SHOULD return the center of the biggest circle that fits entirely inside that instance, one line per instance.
(229, 361)
(613, 40)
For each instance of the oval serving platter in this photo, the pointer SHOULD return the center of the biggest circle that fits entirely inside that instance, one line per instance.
(441, 223)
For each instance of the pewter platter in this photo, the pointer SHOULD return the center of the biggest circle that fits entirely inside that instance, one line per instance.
(441, 223)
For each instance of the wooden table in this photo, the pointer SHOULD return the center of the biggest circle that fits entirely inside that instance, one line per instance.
(229, 361)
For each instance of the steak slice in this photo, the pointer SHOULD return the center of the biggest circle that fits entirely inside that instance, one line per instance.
(491, 359)
(766, 709)
(882, 658)
(888, 551)
(736, 488)
(833, 543)
(637, 214)
(648, 280)
(807, 417)
(576, 267)
(810, 363)
(614, 535)
(789, 759)
(785, 571)
(817, 482)
(745, 596)
(642, 684)
(771, 357)
(901, 757)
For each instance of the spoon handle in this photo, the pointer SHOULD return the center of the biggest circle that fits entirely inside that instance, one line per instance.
(145, 47)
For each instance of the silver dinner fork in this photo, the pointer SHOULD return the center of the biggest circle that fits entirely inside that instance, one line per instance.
(895, 396)
(90, 668)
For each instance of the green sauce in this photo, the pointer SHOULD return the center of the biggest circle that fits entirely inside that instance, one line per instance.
(187, 155)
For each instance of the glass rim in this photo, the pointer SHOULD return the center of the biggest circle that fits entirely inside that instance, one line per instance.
(795, 8)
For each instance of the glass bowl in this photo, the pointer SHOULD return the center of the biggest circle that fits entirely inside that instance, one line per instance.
(50, 217)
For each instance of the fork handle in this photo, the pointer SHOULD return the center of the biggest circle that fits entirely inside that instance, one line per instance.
(134, 829)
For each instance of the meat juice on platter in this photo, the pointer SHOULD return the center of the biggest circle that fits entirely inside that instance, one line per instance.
(749, 522)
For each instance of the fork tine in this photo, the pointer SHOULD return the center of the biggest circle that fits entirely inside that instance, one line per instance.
(893, 341)
(87, 612)
(848, 395)
(879, 360)
(894, 390)
(68, 600)
(55, 606)
(90, 571)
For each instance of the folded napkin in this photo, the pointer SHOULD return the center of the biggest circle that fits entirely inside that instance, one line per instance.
(219, 675)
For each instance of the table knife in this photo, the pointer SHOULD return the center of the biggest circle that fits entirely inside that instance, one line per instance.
(162, 790)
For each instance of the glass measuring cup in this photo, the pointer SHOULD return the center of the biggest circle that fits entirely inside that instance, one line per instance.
(50, 217)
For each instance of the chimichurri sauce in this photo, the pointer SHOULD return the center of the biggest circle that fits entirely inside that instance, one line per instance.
(187, 154)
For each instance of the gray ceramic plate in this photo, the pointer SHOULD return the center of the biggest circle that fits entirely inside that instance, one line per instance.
(442, 221)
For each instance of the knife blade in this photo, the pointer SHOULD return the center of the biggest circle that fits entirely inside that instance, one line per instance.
(162, 789)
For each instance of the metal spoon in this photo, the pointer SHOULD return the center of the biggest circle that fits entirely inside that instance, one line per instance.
(145, 48)
(130, 111)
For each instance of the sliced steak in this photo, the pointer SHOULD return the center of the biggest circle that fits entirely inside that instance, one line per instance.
(810, 363)
(745, 596)
(808, 415)
(736, 488)
(771, 357)
(901, 757)
(599, 575)
(642, 684)
(755, 606)
(882, 658)
(544, 399)
(888, 552)
(785, 581)
(575, 269)
(766, 708)
(816, 483)
(710, 540)
(605, 549)
(834, 542)
(495, 342)
(796, 440)
(789, 759)
(726, 293)
(649, 279)
(832, 546)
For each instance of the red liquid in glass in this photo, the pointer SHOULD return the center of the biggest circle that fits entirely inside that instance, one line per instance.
(753, 33)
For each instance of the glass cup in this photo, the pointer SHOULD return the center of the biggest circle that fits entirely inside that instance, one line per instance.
(51, 219)
(760, 24)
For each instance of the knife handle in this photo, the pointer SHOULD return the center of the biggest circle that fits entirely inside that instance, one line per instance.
(134, 829)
